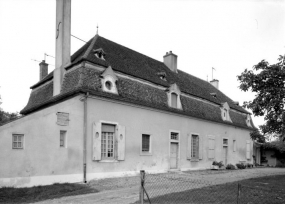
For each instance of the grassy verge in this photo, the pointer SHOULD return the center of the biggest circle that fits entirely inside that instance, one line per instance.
(40, 193)
(270, 189)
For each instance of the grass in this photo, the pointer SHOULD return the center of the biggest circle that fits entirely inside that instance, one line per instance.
(40, 193)
(270, 189)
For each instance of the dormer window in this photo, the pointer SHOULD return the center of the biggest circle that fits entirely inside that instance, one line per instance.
(248, 120)
(162, 75)
(214, 95)
(109, 80)
(173, 94)
(99, 53)
(225, 112)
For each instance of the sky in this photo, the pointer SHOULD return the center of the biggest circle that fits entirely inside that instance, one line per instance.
(227, 35)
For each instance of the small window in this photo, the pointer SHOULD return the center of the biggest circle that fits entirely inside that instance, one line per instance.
(174, 136)
(234, 145)
(108, 85)
(18, 141)
(173, 100)
(107, 141)
(195, 147)
(145, 143)
(225, 142)
(62, 140)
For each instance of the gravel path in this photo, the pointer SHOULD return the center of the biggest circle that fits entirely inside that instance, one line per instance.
(125, 190)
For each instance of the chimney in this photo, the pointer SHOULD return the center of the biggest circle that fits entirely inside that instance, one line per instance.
(170, 60)
(43, 69)
(62, 35)
(215, 83)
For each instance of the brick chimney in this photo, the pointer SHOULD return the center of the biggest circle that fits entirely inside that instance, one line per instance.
(215, 83)
(170, 60)
(62, 36)
(43, 69)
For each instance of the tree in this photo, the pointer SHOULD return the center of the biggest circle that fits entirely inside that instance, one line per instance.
(6, 116)
(268, 82)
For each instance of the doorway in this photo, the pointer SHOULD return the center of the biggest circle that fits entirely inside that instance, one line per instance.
(173, 155)
(225, 155)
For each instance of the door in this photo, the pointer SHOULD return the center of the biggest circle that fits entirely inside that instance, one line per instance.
(225, 155)
(173, 155)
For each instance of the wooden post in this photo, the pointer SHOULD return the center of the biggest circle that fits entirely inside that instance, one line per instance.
(142, 172)
(238, 194)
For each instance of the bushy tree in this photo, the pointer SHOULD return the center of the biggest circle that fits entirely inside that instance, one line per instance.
(6, 116)
(268, 82)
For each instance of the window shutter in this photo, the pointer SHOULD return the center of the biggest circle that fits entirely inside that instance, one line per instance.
(96, 141)
(211, 150)
(201, 147)
(247, 149)
(121, 142)
(188, 146)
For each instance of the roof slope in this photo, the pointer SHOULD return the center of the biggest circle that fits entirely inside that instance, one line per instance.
(132, 63)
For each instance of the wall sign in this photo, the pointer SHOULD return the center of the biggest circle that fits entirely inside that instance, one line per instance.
(62, 118)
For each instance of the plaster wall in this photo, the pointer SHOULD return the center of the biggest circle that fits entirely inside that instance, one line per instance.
(42, 160)
(271, 161)
(158, 124)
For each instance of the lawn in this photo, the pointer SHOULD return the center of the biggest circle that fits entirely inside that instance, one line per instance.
(270, 189)
(40, 193)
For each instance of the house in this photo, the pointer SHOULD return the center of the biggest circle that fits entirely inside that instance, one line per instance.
(110, 111)
(273, 154)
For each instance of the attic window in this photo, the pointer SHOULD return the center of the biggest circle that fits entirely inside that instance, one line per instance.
(108, 85)
(214, 95)
(108, 81)
(99, 53)
(225, 112)
(248, 120)
(162, 75)
(173, 96)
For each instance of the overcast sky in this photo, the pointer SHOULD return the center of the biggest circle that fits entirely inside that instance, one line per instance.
(227, 35)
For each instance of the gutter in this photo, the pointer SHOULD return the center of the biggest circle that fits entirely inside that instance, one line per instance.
(85, 136)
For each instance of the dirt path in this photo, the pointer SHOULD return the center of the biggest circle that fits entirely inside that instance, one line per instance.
(125, 190)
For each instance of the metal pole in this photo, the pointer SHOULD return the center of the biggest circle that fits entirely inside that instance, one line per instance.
(238, 194)
(142, 172)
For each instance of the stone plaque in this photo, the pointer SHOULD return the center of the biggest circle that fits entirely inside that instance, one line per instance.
(62, 118)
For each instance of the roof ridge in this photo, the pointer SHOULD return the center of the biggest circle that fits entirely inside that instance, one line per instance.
(90, 47)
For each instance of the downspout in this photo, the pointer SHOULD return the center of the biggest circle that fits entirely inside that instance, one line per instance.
(85, 137)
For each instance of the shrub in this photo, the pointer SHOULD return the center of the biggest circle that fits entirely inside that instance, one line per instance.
(248, 165)
(240, 166)
(230, 167)
(220, 164)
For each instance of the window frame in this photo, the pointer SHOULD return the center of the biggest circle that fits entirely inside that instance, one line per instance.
(115, 145)
(225, 138)
(198, 147)
(174, 141)
(145, 153)
(22, 140)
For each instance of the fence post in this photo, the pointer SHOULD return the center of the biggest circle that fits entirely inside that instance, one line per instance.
(142, 186)
(238, 194)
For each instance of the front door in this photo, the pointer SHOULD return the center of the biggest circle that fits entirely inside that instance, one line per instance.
(225, 155)
(173, 155)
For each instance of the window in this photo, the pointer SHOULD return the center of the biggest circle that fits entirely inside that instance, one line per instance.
(174, 136)
(62, 139)
(195, 147)
(173, 100)
(18, 141)
(145, 143)
(108, 81)
(234, 145)
(225, 142)
(248, 120)
(225, 112)
(107, 141)
(173, 95)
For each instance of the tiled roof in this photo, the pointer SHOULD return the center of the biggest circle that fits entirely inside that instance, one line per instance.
(130, 62)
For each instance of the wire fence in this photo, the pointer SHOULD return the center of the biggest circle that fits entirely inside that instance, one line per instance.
(179, 188)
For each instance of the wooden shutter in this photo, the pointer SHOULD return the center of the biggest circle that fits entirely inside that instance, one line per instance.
(201, 149)
(247, 149)
(96, 141)
(188, 146)
(211, 150)
(121, 142)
